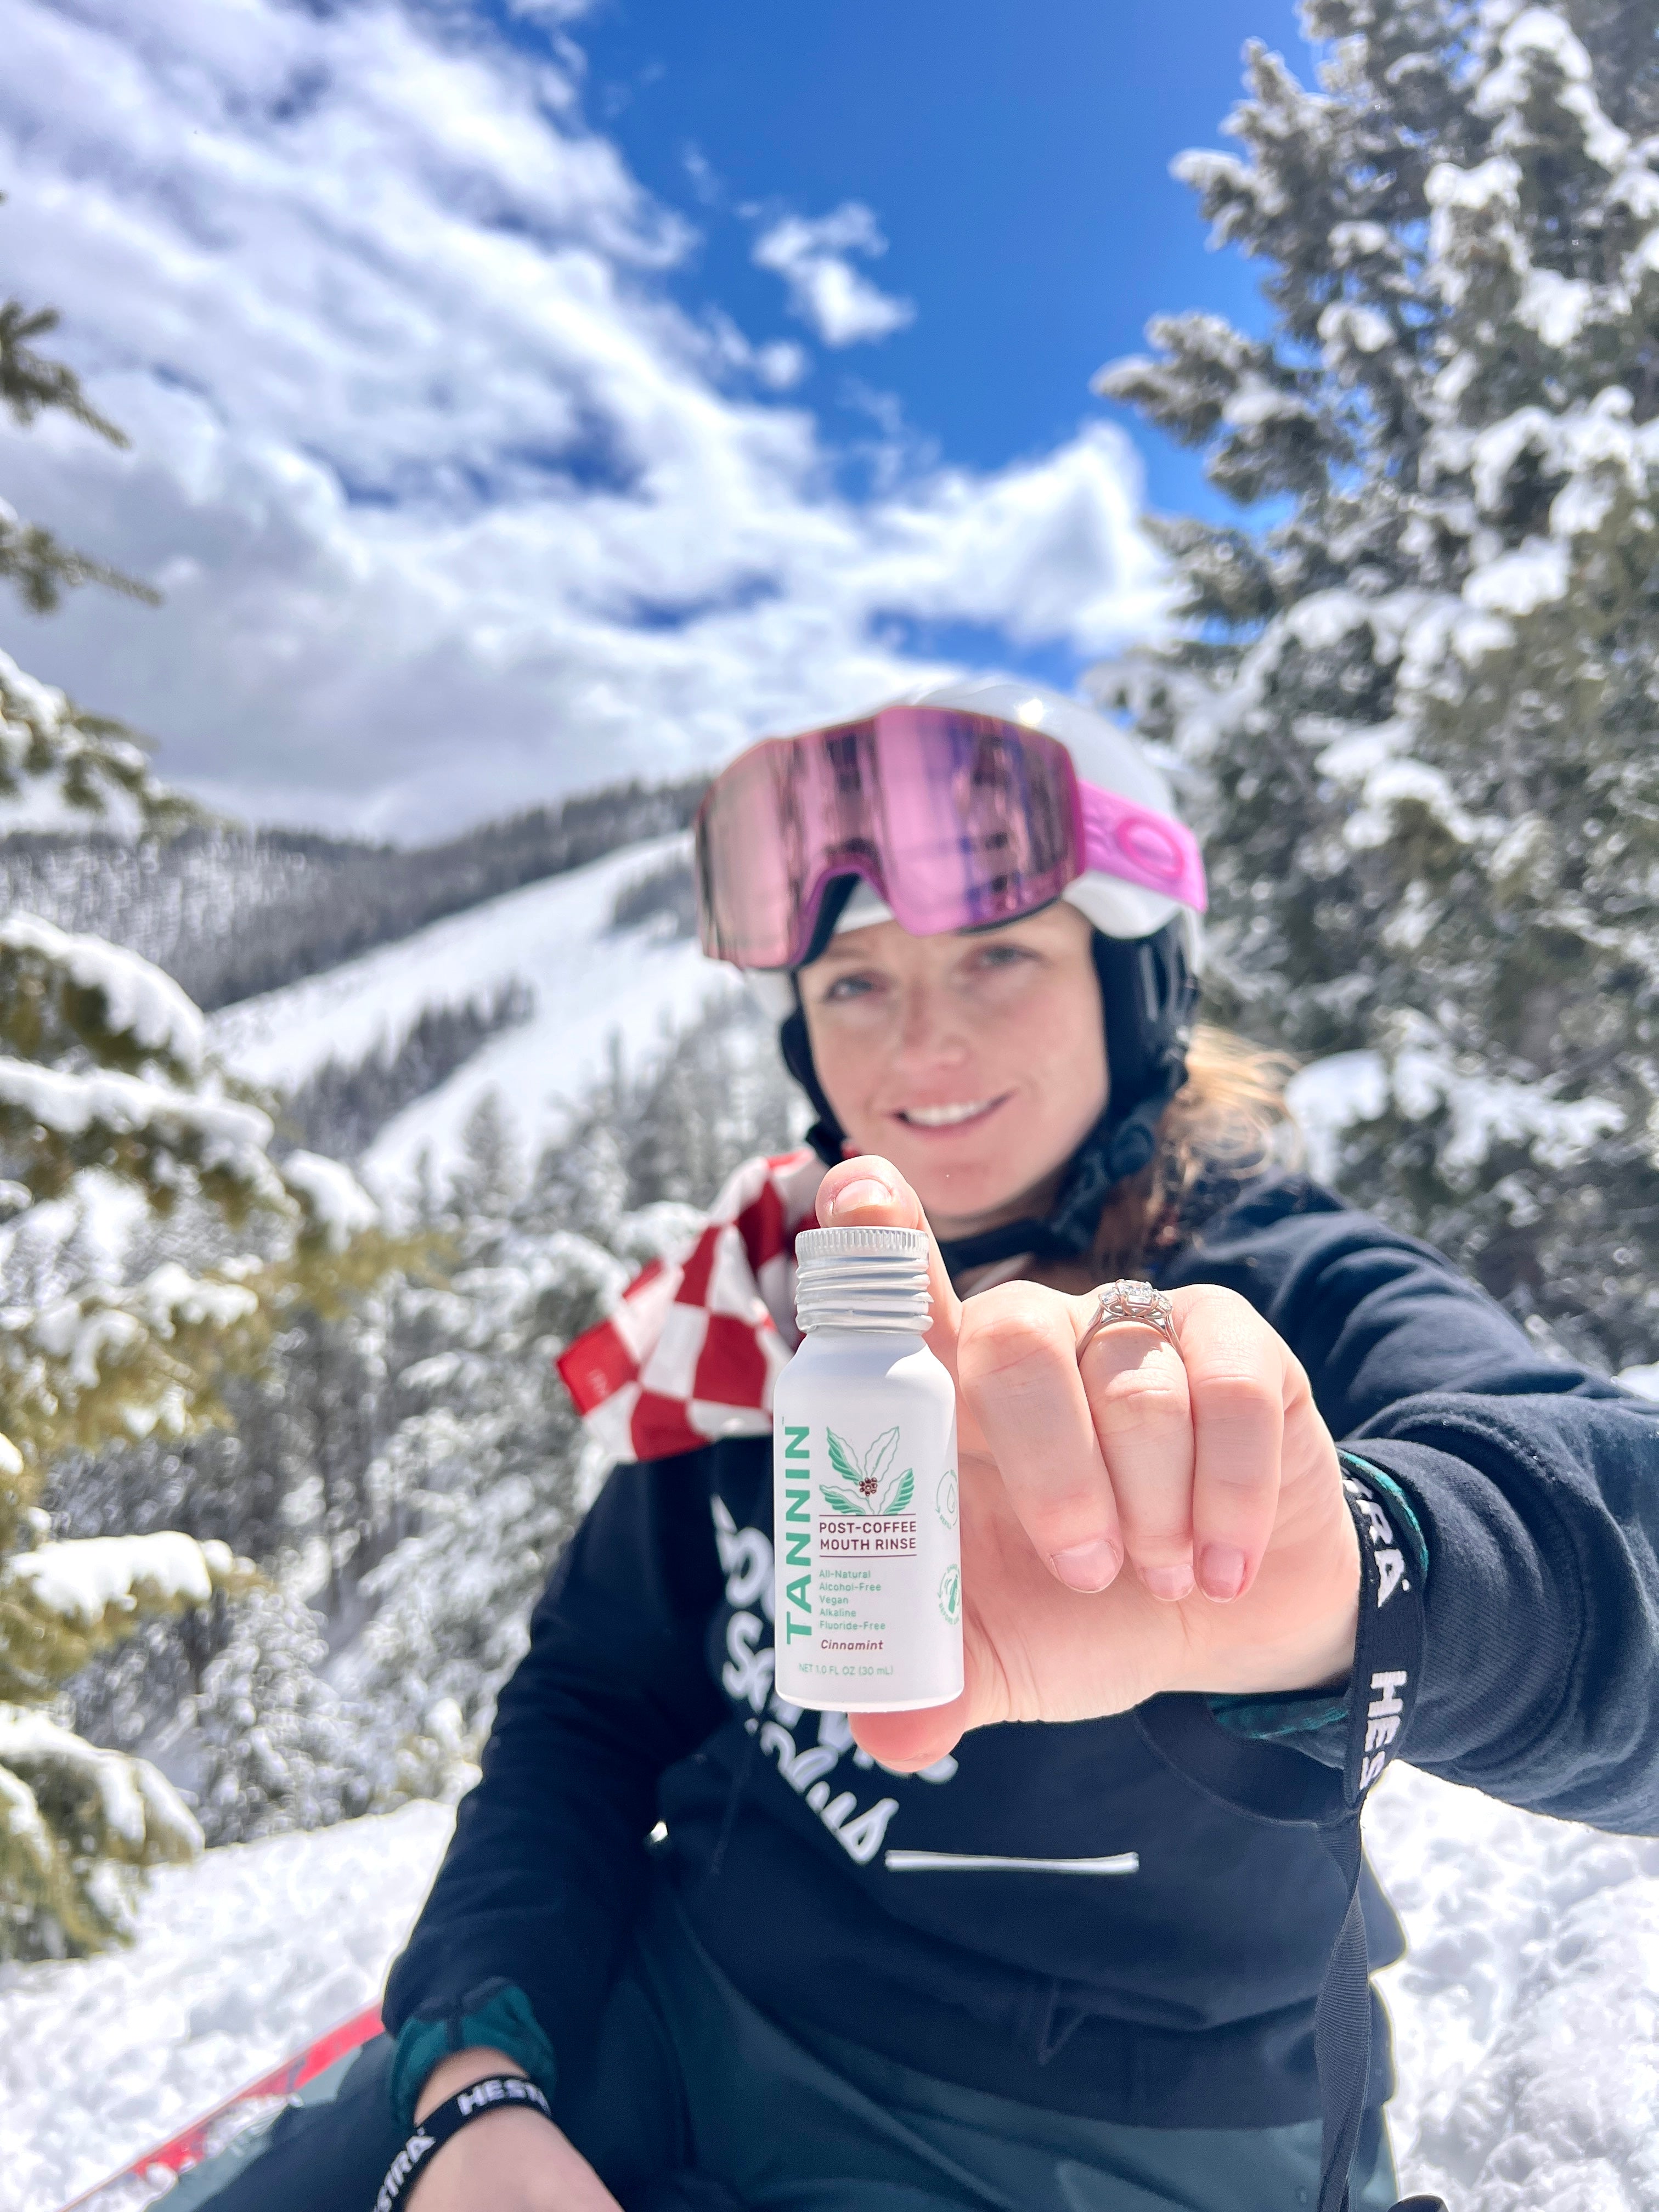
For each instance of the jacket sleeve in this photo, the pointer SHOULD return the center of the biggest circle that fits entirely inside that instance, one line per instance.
(542, 1881)
(1536, 1485)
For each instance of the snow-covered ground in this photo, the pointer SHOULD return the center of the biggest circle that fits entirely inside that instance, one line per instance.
(590, 984)
(1526, 2012)
(247, 1955)
(1526, 2015)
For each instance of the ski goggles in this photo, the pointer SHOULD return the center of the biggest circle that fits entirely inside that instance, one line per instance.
(955, 820)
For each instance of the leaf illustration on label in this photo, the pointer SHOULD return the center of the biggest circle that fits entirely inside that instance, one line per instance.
(900, 1491)
(950, 1593)
(879, 1457)
(839, 1501)
(842, 1460)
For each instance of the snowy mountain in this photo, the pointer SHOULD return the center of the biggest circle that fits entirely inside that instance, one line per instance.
(1526, 2030)
(231, 912)
(589, 982)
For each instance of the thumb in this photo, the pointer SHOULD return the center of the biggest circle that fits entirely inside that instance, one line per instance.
(869, 1193)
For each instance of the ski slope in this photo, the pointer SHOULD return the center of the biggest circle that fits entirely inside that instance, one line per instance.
(592, 984)
(1526, 2014)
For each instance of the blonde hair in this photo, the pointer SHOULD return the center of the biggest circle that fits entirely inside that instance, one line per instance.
(1228, 1122)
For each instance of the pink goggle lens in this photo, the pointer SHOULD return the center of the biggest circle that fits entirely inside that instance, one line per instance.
(956, 820)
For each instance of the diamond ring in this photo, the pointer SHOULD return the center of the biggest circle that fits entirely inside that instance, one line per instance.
(1137, 1302)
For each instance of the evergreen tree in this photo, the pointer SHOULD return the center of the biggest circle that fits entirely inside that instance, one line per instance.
(1415, 684)
(91, 757)
(280, 1750)
(485, 1468)
(103, 1087)
(36, 564)
(106, 1098)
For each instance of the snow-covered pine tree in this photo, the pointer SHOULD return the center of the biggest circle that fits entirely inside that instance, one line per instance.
(280, 1750)
(38, 564)
(1416, 685)
(108, 1101)
(479, 1471)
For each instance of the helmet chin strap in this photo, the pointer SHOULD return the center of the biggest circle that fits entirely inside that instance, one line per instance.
(826, 1136)
(1117, 1147)
(1146, 1001)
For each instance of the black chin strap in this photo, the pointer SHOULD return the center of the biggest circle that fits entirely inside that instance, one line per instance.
(1118, 1146)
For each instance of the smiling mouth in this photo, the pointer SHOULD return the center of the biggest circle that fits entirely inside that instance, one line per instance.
(948, 1117)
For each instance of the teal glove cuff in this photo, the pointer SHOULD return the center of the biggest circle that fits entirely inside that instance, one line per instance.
(1316, 1721)
(1401, 1504)
(495, 2015)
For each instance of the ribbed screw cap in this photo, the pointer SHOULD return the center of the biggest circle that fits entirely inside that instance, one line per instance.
(850, 1244)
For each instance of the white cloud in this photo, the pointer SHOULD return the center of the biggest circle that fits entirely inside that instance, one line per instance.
(550, 11)
(842, 305)
(455, 508)
(704, 181)
(780, 365)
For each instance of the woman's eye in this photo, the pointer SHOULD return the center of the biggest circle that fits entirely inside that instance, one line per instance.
(847, 986)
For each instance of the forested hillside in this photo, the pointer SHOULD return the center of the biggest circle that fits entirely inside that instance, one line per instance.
(228, 913)
(241, 1418)
(529, 996)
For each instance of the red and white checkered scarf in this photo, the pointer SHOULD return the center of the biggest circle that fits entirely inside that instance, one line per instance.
(694, 1347)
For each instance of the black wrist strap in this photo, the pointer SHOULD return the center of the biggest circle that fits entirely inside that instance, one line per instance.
(1285, 1788)
(1387, 1657)
(431, 2133)
(1388, 1664)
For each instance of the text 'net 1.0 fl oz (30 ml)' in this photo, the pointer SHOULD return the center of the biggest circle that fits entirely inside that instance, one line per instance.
(868, 1549)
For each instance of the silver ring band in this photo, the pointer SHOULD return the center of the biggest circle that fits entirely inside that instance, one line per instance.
(1127, 1301)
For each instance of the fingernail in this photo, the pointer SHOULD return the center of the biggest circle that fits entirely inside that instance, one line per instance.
(1088, 1566)
(1170, 1583)
(855, 1197)
(1221, 1571)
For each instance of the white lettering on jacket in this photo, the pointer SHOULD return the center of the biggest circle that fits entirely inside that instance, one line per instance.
(745, 1556)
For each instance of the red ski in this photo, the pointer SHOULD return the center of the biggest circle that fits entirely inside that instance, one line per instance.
(206, 2137)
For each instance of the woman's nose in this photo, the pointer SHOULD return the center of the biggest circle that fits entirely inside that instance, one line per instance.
(930, 1032)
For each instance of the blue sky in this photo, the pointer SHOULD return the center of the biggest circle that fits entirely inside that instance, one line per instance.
(527, 392)
(1016, 159)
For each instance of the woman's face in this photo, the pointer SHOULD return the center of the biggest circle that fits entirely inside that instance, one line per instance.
(976, 1063)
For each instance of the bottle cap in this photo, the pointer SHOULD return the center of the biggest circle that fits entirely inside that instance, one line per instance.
(898, 1243)
(863, 1279)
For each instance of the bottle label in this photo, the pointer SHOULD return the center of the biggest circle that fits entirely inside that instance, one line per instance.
(868, 1569)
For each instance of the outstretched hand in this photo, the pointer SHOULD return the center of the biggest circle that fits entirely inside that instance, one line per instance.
(1140, 1520)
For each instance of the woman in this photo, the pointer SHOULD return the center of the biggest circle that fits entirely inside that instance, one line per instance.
(934, 1961)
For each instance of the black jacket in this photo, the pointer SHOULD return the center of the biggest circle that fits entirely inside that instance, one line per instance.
(1174, 1986)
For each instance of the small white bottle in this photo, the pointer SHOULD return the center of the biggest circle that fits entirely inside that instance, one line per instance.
(864, 1456)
